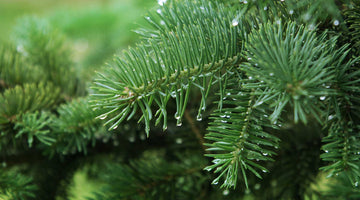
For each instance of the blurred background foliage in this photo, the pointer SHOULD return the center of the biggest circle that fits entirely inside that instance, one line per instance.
(94, 29)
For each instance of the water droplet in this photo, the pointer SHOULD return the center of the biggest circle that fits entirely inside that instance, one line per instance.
(226, 192)
(336, 22)
(265, 171)
(278, 22)
(250, 77)
(161, 2)
(199, 117)
(256, 64)
(306, 17)
(215, 182)
(115, 127)
(103, 116)
(245, 2)
(265, 154)
(271, 74)
(202, 8)
(265, 8)
(162, 23)
(178, 141)
(311, 27)
(326, 151)
(177, 116)
(282, 0)
(173, 94)
(158, 11)
(322, 98)
(235, 22)
(356, 184)
(257, 186)
(291, 12)
(179, 122)
(330, 117)
(249, 58)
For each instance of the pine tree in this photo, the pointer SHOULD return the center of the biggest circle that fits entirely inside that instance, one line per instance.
(264, 94)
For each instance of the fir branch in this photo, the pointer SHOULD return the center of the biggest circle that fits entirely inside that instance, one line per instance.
(42, 46)
(294, 66)
(153, 179)
(239, 141)
(34, 125)
(353, 22)
(29, 98)
(75, 127)
(343, 151)
(16, 186)
(184, 53)
(14, 70)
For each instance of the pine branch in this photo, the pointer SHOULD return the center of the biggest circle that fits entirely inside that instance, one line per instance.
(182, 54)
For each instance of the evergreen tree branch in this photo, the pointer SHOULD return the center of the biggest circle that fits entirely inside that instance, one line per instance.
(239, 141)
(294, 67)
(184, 53)
(16, 186)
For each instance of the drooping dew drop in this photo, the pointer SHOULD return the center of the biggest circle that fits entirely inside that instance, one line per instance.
(235, 22)
(199, 117)
(103, 117)
(265, 154)
(322, 98)
(115, 127)
(336, 22)
(177, 116)
(282, 0)
(179, 122)
(226, 192)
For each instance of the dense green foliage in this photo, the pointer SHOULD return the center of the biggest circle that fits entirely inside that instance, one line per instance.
(273, 85)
